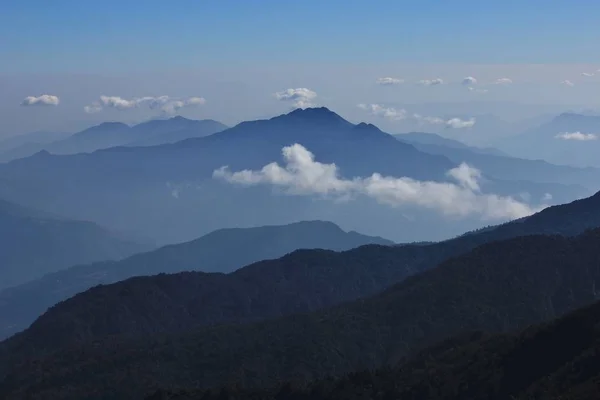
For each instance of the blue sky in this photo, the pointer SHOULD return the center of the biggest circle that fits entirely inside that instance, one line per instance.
(109, 35)
(237, 54)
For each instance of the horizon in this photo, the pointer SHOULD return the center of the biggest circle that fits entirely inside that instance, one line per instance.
(222, 61)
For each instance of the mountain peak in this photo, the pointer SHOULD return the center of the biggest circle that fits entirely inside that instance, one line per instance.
(319, 115)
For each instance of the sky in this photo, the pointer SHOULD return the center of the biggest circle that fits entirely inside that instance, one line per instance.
(236, 55)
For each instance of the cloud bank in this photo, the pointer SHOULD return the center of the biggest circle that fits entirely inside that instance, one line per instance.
(165, 104)
(388, 81)
(578, 136)
(43, 100)
(302, 175)
(301, 97)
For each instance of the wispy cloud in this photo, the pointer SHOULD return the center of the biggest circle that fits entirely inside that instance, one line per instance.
(576, 136)
(43, 100)
(303, 175)
(388, 81)
(431, 82)
(469, 80)
(477, 90)
(399, 114)
(588, 74)
(503, 81)
(458, 123)
(567, 82)
(301, 97)
(385, 112)
(166, 104)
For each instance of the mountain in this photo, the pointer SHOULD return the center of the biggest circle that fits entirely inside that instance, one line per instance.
(168, 192)
(302, 281)
(433, 139)
(545, 142)
(556, 360)
(27, 144)
(21, 305)
(156, 132)
(497, 287)
(34, 243)
(113, 134)
(507, 168)
(41, 137)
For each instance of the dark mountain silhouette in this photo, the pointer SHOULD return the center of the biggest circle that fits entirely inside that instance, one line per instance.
(221, 251)
(500, 286)
(302, 281)
(507, 168)
(542, 142)
(556, 360)
(34, 243)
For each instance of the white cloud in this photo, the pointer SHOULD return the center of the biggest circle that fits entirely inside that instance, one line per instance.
(587, 74)
(567, 82)
(477, 90)
(576, 136)
(387, 81)
(43, 100)
(302, 175)
(394, 114)
(431, 82)
(547, 197)
(165, 103)
(469, 80)
(93, 108)
(458, 123)
(302, 97)
(385, 112)
(503, 81)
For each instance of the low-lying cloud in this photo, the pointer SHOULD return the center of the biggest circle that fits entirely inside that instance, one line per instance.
(400, 114)
(577, 136)
(388, 81)
(302, 175)
(431, 82)
(43, 100)
(300, 97)
(165, 104)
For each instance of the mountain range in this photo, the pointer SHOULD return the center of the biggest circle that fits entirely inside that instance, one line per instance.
(548, 361)
(222, 251)
(33, 243)
(109, 134)
(569, 139)
(181, 201)
(497, 287)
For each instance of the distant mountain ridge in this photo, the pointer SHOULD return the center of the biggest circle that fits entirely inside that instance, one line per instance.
(545, 142)
(113, 134)
(34, 243)
(221, 251)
